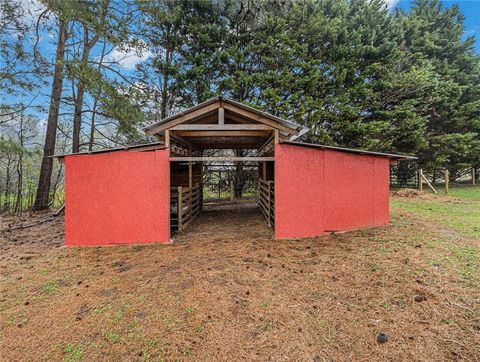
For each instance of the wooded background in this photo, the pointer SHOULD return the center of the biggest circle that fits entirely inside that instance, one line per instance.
(354, 72)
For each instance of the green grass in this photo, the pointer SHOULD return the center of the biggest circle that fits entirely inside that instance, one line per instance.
(50, 287)
(73, 352)
(462, 217)
(457, 215)
(465, 192)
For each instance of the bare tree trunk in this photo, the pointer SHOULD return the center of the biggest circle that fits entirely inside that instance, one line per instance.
(8, 183)
(164, 100)
(41, 200)
(91, 140)
(77, 116)
(18, 203)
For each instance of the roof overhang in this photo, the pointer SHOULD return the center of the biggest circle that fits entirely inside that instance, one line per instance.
(140, 148)
(391, 156)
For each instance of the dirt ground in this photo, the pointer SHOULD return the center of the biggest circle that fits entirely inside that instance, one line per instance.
(226, 291)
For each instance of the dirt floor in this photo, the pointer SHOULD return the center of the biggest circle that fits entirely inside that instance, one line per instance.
(226, 291)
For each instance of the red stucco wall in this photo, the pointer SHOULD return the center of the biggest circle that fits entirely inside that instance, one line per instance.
(319, 191)
(299, 209)
(117, 198)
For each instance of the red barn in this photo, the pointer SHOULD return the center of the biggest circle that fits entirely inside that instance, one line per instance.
(140, 194)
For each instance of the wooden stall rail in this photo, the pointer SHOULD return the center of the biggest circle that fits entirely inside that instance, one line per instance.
(266, 200)
(189, 204)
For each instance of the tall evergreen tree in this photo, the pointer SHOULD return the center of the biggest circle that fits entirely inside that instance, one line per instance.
(435, 38)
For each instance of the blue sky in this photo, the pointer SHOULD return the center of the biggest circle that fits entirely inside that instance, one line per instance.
(469, 8)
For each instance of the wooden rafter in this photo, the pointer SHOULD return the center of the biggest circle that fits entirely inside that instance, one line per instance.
(224, 127)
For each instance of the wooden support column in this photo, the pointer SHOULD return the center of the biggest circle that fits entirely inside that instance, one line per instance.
(180, 208)
(232, 194)
(190, 175)
(167, 138)
(221, 116)
(277, 136)
(447, 174)
(269, 196)
(264, 166)
(420, 179)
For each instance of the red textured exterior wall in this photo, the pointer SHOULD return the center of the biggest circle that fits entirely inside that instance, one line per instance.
(117, 198)
(299, 192)
(319, 191)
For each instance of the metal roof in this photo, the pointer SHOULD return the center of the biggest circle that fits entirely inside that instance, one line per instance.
(350, 150)
(153, 146)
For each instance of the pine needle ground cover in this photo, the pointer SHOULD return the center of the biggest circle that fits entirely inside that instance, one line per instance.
(226, 291)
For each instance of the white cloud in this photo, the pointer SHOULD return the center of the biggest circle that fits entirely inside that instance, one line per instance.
(127, 59)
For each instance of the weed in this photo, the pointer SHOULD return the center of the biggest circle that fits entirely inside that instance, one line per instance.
(104, 308)
(111, 336)
(73, 352)
(448, 322)
(50, 287)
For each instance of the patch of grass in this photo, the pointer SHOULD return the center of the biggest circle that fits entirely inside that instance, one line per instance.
(103, 309)
(50, 287)
(73, 352)
(111, 336)
(468, 260)
(190, 309)
(468, 192)
(266, 326)
(448, 322)
(459, 216)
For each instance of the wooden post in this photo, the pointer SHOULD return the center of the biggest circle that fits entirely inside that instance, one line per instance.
(190, 176)
(264, 164)
(232, 195)
(277, 136)
(420, 179)
(221, 116)
(180, 208)
(269, 204)
(167, 138)
(474, 173)
(447, 174)
(219, 183)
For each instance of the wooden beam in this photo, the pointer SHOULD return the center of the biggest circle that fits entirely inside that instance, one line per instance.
(222, 159)
(167, 138)
(224, 127)
(186, 117)
(222, 133)
(260, 119)
(221, 116)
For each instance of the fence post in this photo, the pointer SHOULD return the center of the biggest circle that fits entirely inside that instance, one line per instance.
(269, 204)
(446, 181)
(420, 179)
(474, 173)
(180, 208)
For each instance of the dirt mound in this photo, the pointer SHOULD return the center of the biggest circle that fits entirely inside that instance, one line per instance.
(412, 194)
